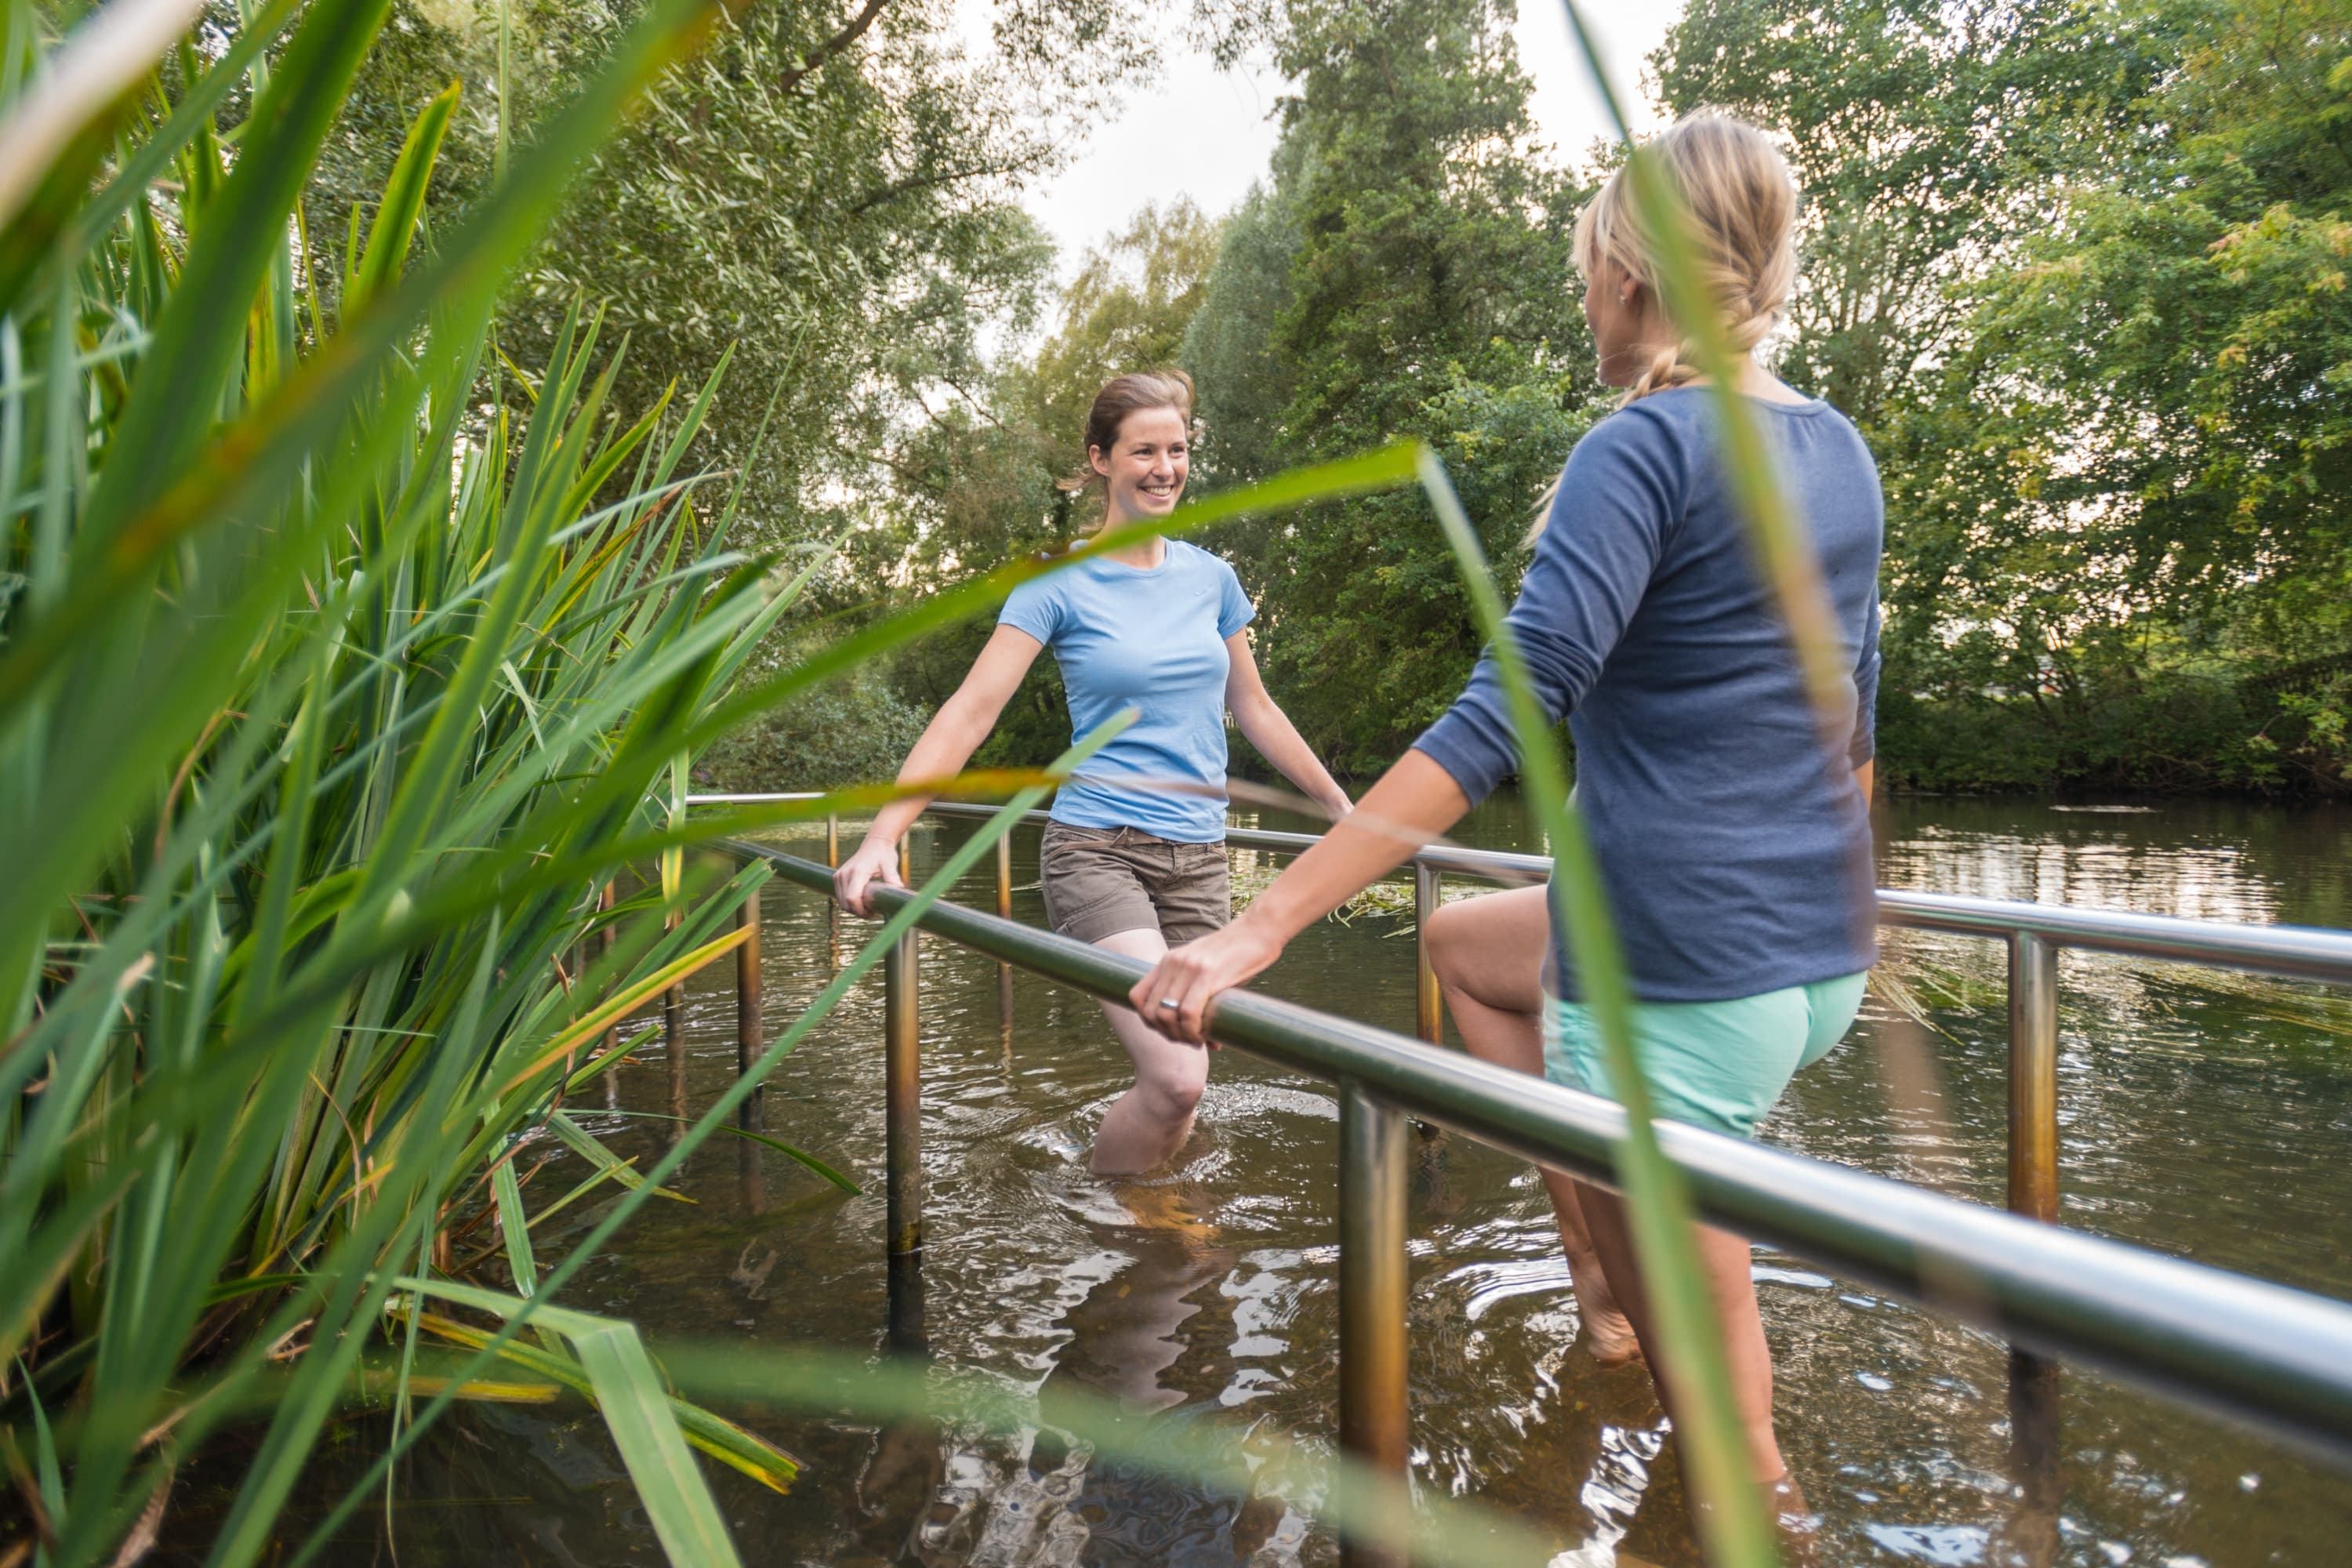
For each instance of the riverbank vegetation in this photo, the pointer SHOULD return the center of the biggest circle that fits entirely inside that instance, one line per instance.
(2077, 270)
(332, 698)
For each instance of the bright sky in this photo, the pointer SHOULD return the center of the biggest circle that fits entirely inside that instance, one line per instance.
(1207, 134)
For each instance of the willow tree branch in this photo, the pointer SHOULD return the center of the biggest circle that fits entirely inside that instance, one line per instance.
(815, 59)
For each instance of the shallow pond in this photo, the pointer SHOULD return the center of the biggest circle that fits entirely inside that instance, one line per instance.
(2203, 1114)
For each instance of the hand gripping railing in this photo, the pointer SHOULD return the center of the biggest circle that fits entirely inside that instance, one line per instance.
(2276, 1357)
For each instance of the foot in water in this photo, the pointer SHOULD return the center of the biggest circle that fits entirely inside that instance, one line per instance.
(1611, 1350)
(1608, 1335)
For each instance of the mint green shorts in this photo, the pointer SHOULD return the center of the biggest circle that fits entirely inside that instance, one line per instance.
(1718, 1065)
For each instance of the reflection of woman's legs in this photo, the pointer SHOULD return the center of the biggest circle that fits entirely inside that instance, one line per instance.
(1150, 1122)
(1488, 954)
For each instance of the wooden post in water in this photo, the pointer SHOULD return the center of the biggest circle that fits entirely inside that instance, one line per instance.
(674, 1054)
(903, 1136)
(1373, 1407)
(2034, 1381)
(612, 1073)
(750, 1040)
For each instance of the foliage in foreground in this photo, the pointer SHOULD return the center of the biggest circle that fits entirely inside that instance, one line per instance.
(326, 709)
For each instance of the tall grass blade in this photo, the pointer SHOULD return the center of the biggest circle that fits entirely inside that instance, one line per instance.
(723, 1109)
(637, 1411)
(402, 202)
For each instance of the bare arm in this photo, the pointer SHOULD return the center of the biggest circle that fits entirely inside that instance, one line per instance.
(1414, 801)
(1266, 726)
(948, 743)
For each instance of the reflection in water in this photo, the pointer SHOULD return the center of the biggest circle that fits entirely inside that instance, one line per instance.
(2204, 1115)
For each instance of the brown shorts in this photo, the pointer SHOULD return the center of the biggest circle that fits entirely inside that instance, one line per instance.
(1099, 880)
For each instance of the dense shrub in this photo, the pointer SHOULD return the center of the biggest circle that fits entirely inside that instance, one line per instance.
(853, 731)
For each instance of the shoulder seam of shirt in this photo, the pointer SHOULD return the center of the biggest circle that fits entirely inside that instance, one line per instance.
(1680, 469)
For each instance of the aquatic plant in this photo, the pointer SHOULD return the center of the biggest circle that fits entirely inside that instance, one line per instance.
(332, 697)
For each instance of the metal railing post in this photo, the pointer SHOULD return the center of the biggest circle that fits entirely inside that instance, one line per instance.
(2034, 1381)
(1428, 1002)
(1003, 970)
(903, 1136)
(2032, 1077)
(1373, 1412)
(832, 909)
(750, 1035)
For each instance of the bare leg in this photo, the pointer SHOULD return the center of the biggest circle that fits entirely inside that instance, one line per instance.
(1723, 1258)
(1150, 1122)
(1488, 953)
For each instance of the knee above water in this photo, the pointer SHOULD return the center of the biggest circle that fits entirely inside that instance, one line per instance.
(1448, 932)
(1175, 1087)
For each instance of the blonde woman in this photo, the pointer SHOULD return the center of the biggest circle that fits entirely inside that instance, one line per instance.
(1735, 862)
(1134, 858)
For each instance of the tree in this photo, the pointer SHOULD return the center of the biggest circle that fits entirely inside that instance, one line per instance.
(2162, 383)
(1407, 273)
(1924, 135)
(2077, 270)
(1244, 392)
(827, 194)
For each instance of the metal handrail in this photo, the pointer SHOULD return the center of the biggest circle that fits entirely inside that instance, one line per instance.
(2279, 1357)
(2295, 953)
(2301, 953)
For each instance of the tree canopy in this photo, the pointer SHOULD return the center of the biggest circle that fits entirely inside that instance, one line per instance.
(2076, 266)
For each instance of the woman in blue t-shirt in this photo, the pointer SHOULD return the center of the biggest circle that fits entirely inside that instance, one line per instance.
(1134, 860)
(1735, 853)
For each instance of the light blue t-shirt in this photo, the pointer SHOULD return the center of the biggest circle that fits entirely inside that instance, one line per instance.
(1153, 640)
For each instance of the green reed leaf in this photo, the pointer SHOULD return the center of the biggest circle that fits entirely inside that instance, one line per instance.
(722, 1110)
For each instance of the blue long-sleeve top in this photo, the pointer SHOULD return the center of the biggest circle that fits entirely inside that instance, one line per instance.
(1735, 860)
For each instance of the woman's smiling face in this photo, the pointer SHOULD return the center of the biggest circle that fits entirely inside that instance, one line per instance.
(1145, 467)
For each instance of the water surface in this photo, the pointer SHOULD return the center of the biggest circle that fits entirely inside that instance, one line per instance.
(2203, 1115)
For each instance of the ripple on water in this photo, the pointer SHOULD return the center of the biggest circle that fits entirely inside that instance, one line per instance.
(1942, 1545)
(2203, 1115)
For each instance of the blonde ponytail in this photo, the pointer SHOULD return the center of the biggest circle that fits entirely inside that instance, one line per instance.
(1742, 203)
